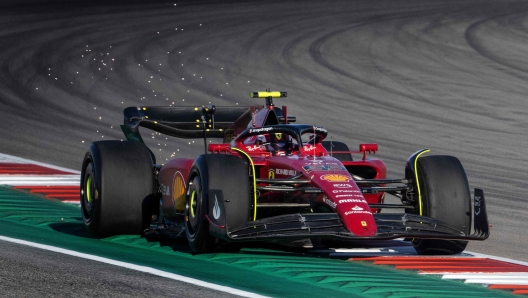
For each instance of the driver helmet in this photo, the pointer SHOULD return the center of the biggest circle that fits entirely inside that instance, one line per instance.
(261, 139)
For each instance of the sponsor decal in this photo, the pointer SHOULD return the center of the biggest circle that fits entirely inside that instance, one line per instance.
(178, 191)
(350, 195)
(356, 209)
(478, 199)
(363, 223)
(314, 162)
(342, 185)
(263, 129)
(351, 201)
(165, 190)
(216, 209)
(318, 162)
(253, 148)
(335, 178)
(307, 169)
(309, 148)
(345, 190)
(285, 172)
(329, 202)
(357, 212)
(271, 174)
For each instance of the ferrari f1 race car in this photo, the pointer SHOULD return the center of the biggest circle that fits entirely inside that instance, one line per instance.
(271, 179)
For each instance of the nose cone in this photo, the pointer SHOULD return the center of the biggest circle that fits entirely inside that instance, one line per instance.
(357, 218)
(343, 195)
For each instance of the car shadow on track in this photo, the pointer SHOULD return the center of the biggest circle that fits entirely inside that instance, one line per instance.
(302, 247)
(72, 228)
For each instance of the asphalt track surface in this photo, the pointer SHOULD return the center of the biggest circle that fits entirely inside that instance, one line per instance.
(445, 75)
(41, 273)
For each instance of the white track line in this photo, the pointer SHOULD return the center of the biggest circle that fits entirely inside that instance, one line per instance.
(36, 180)
(498, 278)
(20, 180)
(506, 278)
(494, 281)
(485, 275)
(6, 158)
(479, 255)
(136, 267)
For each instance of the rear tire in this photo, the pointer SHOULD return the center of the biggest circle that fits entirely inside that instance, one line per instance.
(445, 196)
(331, 146)
(117, 186)
(215, 171)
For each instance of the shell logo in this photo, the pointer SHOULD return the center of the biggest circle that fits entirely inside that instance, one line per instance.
(335, 178)
(178, 191)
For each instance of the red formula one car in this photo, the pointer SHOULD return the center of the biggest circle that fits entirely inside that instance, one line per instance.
(271, 179)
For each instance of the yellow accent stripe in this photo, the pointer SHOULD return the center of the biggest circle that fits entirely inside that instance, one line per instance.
(88, 188)
(192, 202)
(254, 180)
(417, 183)
(274, 94)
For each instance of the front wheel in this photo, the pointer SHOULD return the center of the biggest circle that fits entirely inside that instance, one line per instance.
(196, 224)
(223, 172)
(445, 196)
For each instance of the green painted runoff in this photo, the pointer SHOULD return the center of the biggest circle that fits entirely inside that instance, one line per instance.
(264, 271)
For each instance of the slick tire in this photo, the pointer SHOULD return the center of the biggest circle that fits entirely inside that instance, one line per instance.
(445, 196)
(117, 186)
(331, 146)
(215, 171)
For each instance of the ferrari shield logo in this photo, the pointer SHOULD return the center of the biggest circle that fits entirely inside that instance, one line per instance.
(271, 174)
(363, 223)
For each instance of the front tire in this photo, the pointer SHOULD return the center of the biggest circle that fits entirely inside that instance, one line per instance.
(196, 224)
(117, 186)
(215, 171)
(445, 196)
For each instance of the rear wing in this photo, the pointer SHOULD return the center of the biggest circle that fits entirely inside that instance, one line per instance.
(183, 122)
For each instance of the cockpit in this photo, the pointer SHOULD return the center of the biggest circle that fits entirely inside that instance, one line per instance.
(282, 139)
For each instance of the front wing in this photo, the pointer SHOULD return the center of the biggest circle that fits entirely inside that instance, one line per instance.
(390, 226)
